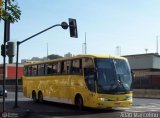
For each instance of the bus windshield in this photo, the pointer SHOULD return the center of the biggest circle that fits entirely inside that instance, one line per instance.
(113, 76)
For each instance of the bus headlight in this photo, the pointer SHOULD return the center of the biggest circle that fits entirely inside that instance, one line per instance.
(102, 99)
(128, 97)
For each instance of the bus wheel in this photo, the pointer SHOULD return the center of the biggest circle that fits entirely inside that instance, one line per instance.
(40, 97)
(79, 102)
(34, 96)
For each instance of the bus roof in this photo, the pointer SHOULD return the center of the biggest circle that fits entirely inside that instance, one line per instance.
(78, 56)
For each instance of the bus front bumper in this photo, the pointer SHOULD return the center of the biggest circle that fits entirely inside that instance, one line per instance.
(112, 104)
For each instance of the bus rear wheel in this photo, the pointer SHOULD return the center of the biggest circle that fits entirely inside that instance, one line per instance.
(40, 97)
(79, 102)
(34, 96)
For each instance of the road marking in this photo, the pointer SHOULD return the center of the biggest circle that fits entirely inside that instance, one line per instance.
(143, 109)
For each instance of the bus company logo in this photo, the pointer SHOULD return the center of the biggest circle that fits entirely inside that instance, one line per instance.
(4, 115)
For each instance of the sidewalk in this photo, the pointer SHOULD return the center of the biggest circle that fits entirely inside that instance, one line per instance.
(23, 109)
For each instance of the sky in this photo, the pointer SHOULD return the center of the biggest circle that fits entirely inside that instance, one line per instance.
(131, 25)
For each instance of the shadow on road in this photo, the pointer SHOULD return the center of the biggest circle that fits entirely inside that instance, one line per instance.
(29, 109)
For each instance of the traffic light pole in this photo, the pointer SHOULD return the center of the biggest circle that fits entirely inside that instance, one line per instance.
(4, 60)
(17, 57)
(4, 75)
(16, 86)
(73, 33)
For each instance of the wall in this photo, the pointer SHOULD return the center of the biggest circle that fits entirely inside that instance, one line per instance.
(11, 72)
(146, 93)
(140, 61)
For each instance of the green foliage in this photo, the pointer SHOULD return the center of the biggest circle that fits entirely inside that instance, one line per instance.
(12, 12)
(54, 56)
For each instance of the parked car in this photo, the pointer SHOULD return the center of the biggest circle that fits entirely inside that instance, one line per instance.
(1, 91)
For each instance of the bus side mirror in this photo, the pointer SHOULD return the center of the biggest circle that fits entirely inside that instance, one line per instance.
(133, 76)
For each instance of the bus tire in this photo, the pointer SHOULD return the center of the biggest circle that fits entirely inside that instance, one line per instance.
(34, 97)
(79, 102)
(40, 97)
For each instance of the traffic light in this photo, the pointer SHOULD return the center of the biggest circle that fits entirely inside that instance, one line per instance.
(2, 50)
(10, 49)
(73, 28)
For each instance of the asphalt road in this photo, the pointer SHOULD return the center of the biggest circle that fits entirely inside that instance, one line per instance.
(29, 109)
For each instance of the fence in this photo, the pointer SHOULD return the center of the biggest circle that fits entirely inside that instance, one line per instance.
(147, 82)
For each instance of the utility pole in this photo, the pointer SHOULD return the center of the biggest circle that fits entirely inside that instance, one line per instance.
(118, 50)
(157, 44)
(85, 44)
(146, 50)
(47, 51)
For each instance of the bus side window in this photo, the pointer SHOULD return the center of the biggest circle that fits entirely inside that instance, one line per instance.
(25, 71)
(77, 66)
(88, 66)
(30, 71)
(48, 69)
(62, 68)
(59, 70)
(34, 70)
(88, 63)
(67, 67)
(55, 68)
(89, 73)
(41, 69)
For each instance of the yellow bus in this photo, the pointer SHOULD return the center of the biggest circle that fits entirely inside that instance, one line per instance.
(83, 80)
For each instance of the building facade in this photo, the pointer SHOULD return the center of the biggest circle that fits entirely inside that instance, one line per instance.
(11, 71)
(146, 68)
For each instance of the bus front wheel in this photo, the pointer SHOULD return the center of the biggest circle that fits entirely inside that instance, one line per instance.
(40, 97)
(79, 102)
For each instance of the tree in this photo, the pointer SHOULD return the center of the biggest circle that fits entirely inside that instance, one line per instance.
(12, 12)
(54, 56)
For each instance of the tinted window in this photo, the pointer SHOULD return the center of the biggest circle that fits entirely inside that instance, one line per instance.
(29, 70)
(41, 69)
(59, 70)
(51, 68)
(55, 68)
(48, 69)
(25, 70)
(34, 70)
(77, 66)
(89, 73)
(67, 67)
(88, 63)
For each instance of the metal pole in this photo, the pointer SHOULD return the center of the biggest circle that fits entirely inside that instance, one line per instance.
(4, 60)
(4, 75)
(85, 44)
(47, 51)
(16, 86)
(38, 33)
(17, 55)
(157, 43)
